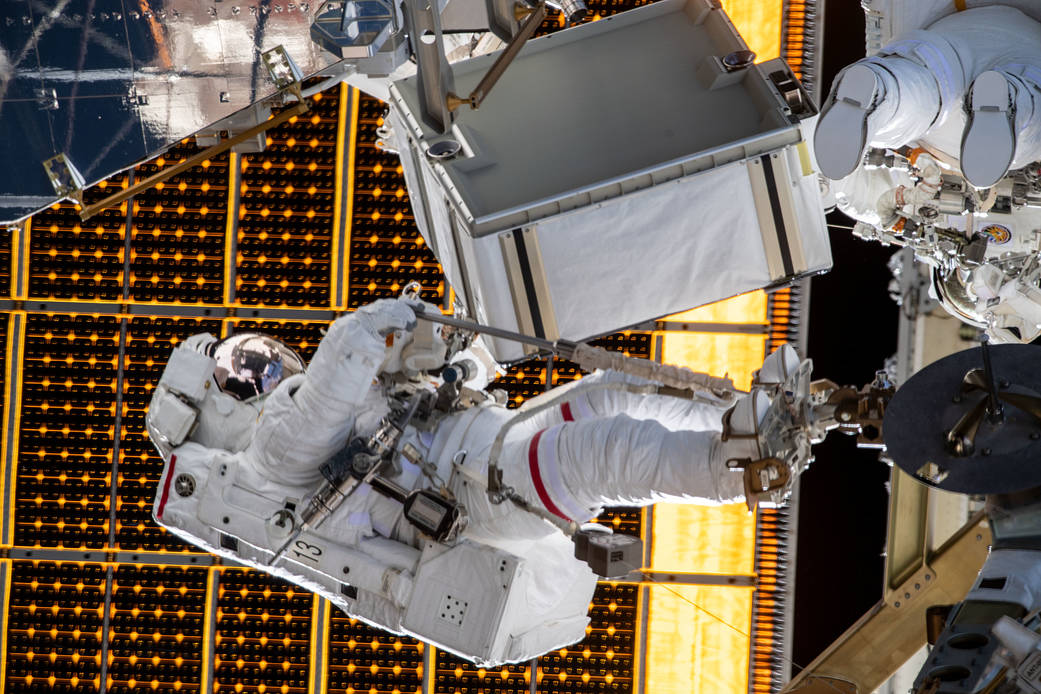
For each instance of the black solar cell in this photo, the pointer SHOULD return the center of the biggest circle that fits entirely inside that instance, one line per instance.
(367, 659)
(73, 259)
(69, 373)
(285, 213)
(263, 638)
(178, 232)
(54, 627)
(157, 624)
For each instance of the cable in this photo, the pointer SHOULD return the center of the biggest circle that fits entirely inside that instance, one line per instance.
(649, 578)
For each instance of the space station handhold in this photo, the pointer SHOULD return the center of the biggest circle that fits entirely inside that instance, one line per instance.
(590, 358)
(950, 428)
(553, 217)
(609, 555)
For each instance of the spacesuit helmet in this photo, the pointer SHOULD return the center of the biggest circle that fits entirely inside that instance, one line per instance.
(250, 365)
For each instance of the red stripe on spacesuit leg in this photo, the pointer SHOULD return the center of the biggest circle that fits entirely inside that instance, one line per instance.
(166, 488)
(565, 409)
(536, 477)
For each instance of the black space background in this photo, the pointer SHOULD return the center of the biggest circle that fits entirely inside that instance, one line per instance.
(852, 330)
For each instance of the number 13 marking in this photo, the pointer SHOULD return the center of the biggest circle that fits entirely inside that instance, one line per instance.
(310, 553)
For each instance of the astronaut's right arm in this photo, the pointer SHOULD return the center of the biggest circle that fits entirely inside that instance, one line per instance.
(311, 416)
(351, 353)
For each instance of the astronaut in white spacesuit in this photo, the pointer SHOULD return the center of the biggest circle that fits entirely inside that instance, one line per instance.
(951, 115)
(245, 430)
(967, 89)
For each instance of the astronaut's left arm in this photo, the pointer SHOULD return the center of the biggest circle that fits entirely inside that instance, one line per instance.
(173, 411)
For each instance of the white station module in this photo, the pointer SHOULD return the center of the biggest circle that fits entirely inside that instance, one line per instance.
(620, 171)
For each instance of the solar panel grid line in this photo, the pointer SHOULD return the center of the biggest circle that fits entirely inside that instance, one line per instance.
(106, 556)
(118, 428)
(429, 660)
(5, 600)
(150, 310)
(316, 683)
(231, 227)
(12, 331)
(13, 248)
(208, 640)
(346, 133)
(642, 621)
(105, 630)
(703, 327)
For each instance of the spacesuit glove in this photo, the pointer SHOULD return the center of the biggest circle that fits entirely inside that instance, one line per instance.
(386, 316)
(199, 342)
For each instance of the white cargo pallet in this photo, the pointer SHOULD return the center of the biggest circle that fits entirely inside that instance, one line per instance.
(617, 173)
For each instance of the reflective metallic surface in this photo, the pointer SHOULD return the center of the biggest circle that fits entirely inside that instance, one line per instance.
(110, 83)
(250, 364)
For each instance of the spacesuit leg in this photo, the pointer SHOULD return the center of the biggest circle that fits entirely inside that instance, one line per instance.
(604, 394)
(1003, 129)
(575, 468)
(884, 101)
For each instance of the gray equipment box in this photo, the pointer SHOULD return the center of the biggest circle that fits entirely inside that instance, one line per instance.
(620, 171)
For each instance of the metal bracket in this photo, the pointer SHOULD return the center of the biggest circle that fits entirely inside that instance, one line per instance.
(434, 74)
(286, 76)
(911, 588)
(502, 19)
(281, 68)
(67, 181)
(534, 19)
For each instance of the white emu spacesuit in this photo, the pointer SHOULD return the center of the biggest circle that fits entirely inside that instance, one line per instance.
(953, 114)
(967, 89)
(245, 430)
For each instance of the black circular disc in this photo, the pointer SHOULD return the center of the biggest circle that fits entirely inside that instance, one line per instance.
(1006, 456)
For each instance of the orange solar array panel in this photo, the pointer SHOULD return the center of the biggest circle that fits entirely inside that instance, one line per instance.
(97, 598)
